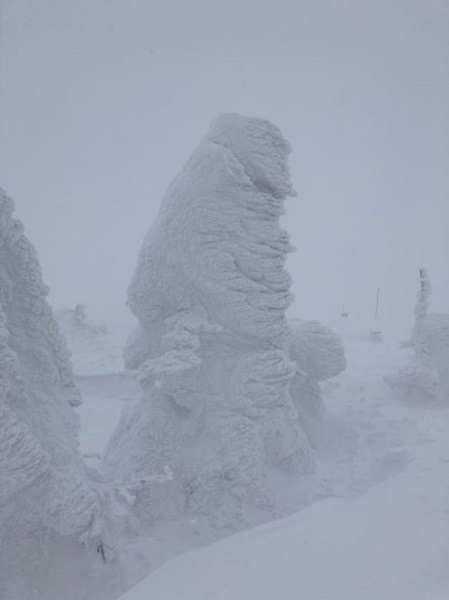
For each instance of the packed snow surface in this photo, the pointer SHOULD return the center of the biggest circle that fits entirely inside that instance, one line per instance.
(390, 543)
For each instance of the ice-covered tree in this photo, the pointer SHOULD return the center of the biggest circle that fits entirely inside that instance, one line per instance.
(210, 293)
(46, 500)
(426, 376)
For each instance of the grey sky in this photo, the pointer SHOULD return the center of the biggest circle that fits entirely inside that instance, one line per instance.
(102, 102)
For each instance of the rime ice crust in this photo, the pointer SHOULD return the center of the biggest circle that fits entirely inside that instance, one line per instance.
(210, 292)
(216, 249)
(44, 485)
(316, 349)
(319, 354)
(34, 334)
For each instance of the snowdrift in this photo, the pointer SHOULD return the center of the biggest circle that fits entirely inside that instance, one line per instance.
(390, 543)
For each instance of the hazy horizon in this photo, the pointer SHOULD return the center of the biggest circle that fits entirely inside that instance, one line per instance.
(103, 102)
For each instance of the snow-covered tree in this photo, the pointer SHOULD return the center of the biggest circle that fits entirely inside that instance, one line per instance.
(426, 376)
(210, 293)
(46, 500)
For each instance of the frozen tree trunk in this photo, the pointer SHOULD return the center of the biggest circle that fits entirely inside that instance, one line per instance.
(46, 501)
(210, 293)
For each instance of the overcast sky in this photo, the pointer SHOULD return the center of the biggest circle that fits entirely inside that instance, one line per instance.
(102, 101)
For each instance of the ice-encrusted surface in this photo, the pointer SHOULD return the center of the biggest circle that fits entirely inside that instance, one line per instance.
(210, 292)
(316, 349)
(46, 500)
(319, 355)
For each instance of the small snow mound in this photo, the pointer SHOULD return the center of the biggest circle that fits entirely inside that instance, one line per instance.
(317, 349)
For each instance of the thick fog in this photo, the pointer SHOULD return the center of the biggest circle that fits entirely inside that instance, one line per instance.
(102, 102)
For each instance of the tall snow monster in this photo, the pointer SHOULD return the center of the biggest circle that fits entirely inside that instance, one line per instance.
(47, 503)
(212, 343)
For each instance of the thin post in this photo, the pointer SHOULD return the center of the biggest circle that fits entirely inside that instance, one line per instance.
(377, 304)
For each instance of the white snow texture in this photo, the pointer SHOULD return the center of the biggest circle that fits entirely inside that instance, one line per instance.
(319, 355)
(427, 374)
(44, 490)
(210, 293)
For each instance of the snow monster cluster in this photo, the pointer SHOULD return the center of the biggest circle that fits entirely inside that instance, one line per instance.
(229, 387)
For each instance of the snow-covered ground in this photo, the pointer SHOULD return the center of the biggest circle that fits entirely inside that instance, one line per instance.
(390, 543)
(371, 523)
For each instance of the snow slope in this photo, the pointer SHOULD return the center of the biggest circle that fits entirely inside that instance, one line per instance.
(390, 543)
(371, 522)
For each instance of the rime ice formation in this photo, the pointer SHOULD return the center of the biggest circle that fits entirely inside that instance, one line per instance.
(46, 500)
(210, 293)
(319, 354)
(427, 374)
